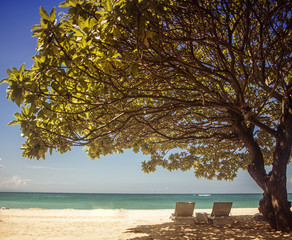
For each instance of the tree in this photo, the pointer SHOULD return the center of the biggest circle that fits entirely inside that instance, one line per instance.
(210, 79)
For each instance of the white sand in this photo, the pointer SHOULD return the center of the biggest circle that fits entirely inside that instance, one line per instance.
(122, 224)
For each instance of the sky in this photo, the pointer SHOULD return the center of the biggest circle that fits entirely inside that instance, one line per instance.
(74, 171)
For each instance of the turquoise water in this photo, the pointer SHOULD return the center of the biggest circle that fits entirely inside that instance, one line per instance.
(125, 201)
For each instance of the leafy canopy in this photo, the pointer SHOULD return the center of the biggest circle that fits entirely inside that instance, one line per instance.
(153, 76)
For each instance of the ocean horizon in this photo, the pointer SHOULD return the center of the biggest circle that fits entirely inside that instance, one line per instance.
(25, 200)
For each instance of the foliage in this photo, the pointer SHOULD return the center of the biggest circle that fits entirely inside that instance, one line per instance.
(155, 76)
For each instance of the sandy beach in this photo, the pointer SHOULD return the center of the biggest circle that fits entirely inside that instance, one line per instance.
(123, 224)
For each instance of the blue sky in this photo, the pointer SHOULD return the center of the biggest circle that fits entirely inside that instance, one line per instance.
(74, 171)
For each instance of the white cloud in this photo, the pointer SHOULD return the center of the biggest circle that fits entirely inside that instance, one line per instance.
(49, 182)
(1, 165)
(20, 181)
(36, 167)
(53, 168)
(14, 182)
(290, 180)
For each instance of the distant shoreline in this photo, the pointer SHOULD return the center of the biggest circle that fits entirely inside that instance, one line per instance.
(111, 193)
(22, 200)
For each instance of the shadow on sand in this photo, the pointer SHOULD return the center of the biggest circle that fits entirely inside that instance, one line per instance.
(244, 227)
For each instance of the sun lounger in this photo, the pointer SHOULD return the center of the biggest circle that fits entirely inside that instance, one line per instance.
(183, 213)
(220, 213)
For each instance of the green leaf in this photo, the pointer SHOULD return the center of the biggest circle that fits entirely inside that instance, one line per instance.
(17, 96)
(19, 116)
(5, 80)
(21, 69)
(44, 14)
(65, 4)
(108, 5)
(35, 27)
(14, 122)
(53, 15)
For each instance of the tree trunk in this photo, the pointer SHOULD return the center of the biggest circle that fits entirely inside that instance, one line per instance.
(274, 205)
(276, 209)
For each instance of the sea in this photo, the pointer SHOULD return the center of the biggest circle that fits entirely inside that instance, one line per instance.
(122, 201)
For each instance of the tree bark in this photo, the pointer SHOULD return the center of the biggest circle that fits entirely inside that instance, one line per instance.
(276, 189)
(274, 205)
